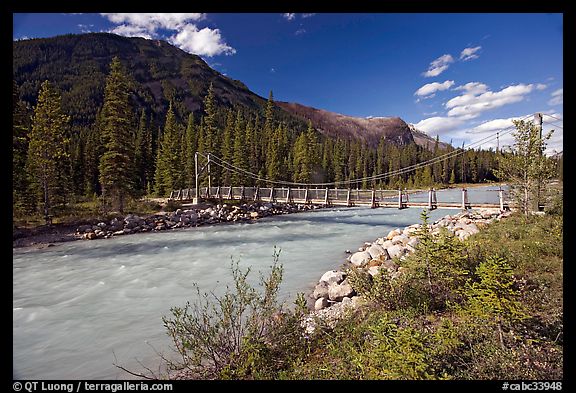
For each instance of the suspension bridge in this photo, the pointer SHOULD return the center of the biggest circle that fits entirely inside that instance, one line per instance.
(329, 197)
(329, 194)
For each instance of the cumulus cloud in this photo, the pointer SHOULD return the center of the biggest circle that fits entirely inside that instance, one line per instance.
(186, 34)
(439, 125)
(205, 41)
(289, 16)
(469, 53)
(439, 65)
(473, 104)
(557, 97)
(473, 88)
(430, 89)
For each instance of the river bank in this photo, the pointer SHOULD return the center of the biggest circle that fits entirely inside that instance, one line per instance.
(50, 235)
(333, 294)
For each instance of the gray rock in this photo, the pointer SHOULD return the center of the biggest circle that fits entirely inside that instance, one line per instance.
(373, 270)
(390, 266)
(375, 250)
(360, 258)
(413, 242)
(337, 292)
(333, 276)
(393, 233)
(84, 229)
(321, 303)
(400, 239)
(396, 250)
(320, 290)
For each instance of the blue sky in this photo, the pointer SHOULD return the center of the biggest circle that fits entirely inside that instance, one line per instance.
(461, 76)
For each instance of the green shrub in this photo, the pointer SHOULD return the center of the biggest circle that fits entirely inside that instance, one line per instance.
(244, 333)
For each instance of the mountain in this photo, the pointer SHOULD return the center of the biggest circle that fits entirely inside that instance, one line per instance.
(78, 65)
(369, 130)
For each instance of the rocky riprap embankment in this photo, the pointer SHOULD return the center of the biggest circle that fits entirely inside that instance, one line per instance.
(333, 294)
(187, 218)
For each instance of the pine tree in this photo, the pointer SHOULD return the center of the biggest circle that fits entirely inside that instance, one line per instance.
(191, 143)
(239, 154)
(228, 146)
(47, 146)
(274, 157)
(20, 127)
(117, 163)
(302, 167)
(169, 165)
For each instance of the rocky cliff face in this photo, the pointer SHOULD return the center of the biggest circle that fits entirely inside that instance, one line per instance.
(370, 130)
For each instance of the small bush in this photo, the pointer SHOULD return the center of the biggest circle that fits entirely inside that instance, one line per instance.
(242, 334)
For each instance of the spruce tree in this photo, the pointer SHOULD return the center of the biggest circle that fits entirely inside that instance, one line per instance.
(239, 157)
(191, 142)
(117, 163)
(47, 146)
(168, 165)
(20, 127)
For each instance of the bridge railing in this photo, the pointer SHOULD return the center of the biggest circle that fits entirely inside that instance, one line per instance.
(343, 196)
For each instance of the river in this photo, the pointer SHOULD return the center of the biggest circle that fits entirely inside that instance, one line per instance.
(81, 306)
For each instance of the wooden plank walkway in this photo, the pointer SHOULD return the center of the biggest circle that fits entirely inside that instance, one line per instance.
(335, 197)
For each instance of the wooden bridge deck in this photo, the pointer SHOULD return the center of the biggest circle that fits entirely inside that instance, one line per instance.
(335, 197)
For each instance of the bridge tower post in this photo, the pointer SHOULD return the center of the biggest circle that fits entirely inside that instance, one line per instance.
(432, 203)
(465, 202)
(272, 195)
(326, 200)
(306, 201)
(373, 204)
(348, 201)
(196, 198)
(288, 196)
(257, 194)
(209, 178)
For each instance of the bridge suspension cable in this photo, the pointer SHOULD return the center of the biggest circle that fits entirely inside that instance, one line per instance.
(454, 153)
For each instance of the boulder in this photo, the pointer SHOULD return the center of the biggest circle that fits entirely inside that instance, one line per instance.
(373, 270)
(84, 229)
(320, 290)
(389, 265)
(393, 233)
(400, 239)
(336, 292)
(396, 250)
(333, 276)
(321, 303)
(360, 258)
(375, 250)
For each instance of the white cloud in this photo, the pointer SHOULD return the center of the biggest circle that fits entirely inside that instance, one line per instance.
(300, 31)
(289, 16)
(557, 97)
(472, 105)
(207, 41)
(438, 66)
(429, 90)
(308, 15)
(492, 126)
(186, 34)
(469, 53)
(131, 31)
(150, 22)
(473, 88)
(439, 125)
(541, 86)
